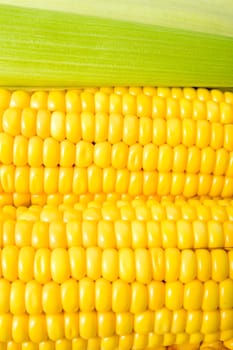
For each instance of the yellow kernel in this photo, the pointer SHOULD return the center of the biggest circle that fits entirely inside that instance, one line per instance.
(185, 234)
(159, 135)
(93, 262)
(101, 127)
(172, 110)
(127, 265)
(56, 101)
(9, 258)
(33, 297)
(139, 235)
(169, 234)
(86, 294)
(163, 320)
(149, 157)
(58, 125)
(179, 158)
(102, 154)
(42, 265)
(221, 162)
(121, 296)
(43, 124)
(139, 298)
(164, 184)
(72, 101)
(226, 113)
(135, 157)
(194, 321)
(225, 294)
(158, 263)
(145, 131)
(210, 295)
(143, 266)
(203, 133)
(174, 295)
(213, 111)
(226, 319)
(129, 104)
(37, 328)
(80, 181)
(55, 326)
(35, 151)
(228, 142)
(115, 128)
(203, 264)
(94, 178)
(217, 95)
(106, 324)
(17, 305)
(158, 107)
(87, 324)
(210, 322)
(178, 321)
(227, 190)
(144, 106)
(11, 121)
(216, 135)
(130, 129)
(104, 295)
(20, 99)
(28, 122)
(135, 183)
(124, 325)
(20, 150)
(144, 322)
(188, 258)
(172, 264)
(203, 94)
(77, 257)
(190, 93)
(216, 234)
(6, 327)
(193, 292)
(79, 344)
(208, 161)
(73, 127)
(115, 103)
(69, 296)
(110, 264)
(199, 110)
(51, 152)
(165, 158)
(51, 300)
(7, 148)
(5, 98)
(20, 328)
(25, 263)
(39, 100)
(217, 186)
(191, 185)
(174, 132)
(189, 132)
(87, 126)
(101, 102)
(156, 295)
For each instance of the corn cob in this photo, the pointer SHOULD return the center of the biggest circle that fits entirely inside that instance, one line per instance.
(115, 140)
(112, 273)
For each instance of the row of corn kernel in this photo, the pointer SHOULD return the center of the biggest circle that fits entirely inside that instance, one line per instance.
(150, 157)
(115, 206)
(128, 342)
(22, 126)
(89, 325)
(148, 102)
(102, 295)
(142, 265)
(94, 180)
(121, 224)
(107, 234)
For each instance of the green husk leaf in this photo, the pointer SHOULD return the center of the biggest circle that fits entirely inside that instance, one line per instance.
(47, 48)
